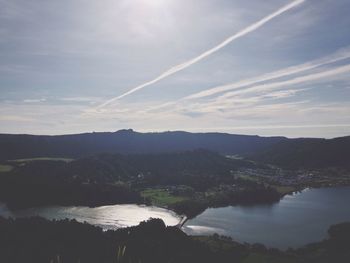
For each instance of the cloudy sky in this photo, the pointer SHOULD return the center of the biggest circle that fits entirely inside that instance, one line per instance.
(274, 67)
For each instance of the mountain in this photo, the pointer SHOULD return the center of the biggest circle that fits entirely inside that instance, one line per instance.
(307, 153)
(126, 142)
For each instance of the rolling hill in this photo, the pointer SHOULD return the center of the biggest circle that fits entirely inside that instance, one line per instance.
(128, 142)
(307, 153)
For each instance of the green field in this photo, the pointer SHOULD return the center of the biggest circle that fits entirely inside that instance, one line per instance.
(284, 189)
(5, 168)
(161, 197)
(41, 159)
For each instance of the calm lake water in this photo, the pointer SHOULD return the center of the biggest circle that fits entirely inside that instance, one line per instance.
(295, 221)
(107, 217)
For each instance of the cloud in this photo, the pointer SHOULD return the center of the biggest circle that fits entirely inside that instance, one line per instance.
(294, 81)
(281, 94)
(291, 126)
(86, 100)
(339, 55)
(209, 52)
(244, 103)
(16, 118)
(34, 100)
(258, 104)
(100, 50)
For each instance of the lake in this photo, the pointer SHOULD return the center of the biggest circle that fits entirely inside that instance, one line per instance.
(295, 221)
(107, 217)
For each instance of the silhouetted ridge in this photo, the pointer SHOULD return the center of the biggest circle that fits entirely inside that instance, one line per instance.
(126, 142)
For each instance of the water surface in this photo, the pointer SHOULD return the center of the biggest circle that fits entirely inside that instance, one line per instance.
(295, 221)
(107, 217)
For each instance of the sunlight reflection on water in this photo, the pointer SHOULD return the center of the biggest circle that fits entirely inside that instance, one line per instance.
(107, 217)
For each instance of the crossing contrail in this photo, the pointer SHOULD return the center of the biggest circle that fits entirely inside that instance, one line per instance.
(226, 100)
(298, 80)
(342, 54)
(207, 53)
(286, 72)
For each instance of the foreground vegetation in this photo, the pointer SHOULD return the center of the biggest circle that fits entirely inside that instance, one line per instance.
(42, 241)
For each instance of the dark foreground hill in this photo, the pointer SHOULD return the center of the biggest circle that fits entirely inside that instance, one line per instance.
(126, 142)
(37, 240)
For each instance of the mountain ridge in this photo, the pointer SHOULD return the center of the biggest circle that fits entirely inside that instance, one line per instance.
(127, 141)
(299, 153)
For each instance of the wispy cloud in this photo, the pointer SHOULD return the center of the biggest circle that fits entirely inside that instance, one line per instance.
(34, 100)
(256, 102)
(249, 102)
(339, 55)
(84, 100)
(263, 82)
(290, 82)
(15, 118)
(279, 126)
(209, 52)
(336, 57)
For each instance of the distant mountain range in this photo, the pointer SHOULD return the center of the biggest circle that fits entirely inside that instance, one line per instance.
(128, 142)
(291, 153)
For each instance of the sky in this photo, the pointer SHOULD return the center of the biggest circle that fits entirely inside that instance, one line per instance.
(274, 67)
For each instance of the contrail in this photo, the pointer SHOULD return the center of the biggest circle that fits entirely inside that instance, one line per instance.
(340, 55)
(298, 80)
(207, 53)
(226, 99)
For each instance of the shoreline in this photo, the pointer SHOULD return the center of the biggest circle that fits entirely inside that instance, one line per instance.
(182, 216)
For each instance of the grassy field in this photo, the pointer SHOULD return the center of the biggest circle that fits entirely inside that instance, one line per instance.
(161, 197)
(284, 189)
(41, 159)
(5, 168)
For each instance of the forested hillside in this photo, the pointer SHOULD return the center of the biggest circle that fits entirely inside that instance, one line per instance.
(307, 153)
(127, 141)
